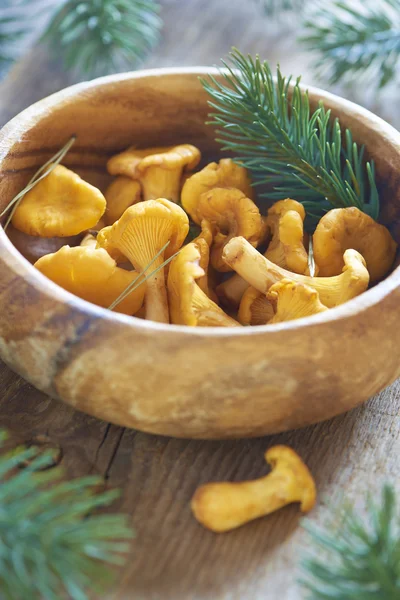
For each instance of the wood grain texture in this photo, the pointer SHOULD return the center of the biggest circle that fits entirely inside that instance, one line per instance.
(173, 557)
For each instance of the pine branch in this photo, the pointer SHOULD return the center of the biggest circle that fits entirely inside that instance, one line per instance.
(353, 42)
(274, 8)
(357, 559)
(11, 30)
(51, 545)
(101, 36)
(295, 152)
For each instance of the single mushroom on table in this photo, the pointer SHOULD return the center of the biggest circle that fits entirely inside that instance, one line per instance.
(60, 205)
(261, 273)
(120, 194)
(140, 234)
(224, 506)
(93, 276)
(225, 174)
(255, 308)
(344, 228)
(159, 170)
(188, 303)
(286, 249)
(231, 214)
(293, 300)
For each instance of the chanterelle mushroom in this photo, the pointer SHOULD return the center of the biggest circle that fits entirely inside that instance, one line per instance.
(93, 276)
(293, 300)
(225, 174)
(120, 194)
(34, 247)
(343, 228)
(255, 308)
(231, 291)
(231, 214)
(189, 305)
(159, 170)
(60, 205)
(261, 273)
(103, 241)
(203, 243)
(225, 506)
(140, 234)
(286, 249)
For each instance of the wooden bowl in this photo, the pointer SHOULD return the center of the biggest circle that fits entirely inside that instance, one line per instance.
(173, 380)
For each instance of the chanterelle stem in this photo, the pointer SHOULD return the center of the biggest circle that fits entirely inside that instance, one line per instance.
(156, 301)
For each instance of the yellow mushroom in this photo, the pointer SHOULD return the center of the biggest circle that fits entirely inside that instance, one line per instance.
(89, 241)
(343, 228)
(225, 174)
(293, 300)
(159, 170)
(224, 506)
(103, 241)
(231, 214)
(93, 276)
(188, 304)
(120, 194)
(203, 243)
(230, 292)
(255, 308)
(140, 234)
(286, 249)
(33, 247)
(60, 205)
(261, 273)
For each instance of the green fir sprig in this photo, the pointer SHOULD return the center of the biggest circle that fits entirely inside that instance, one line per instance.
(52, 546)
(93, 37)
(11, 30)
(269, 127)
(274, 8)
(357, 558)
(355, 41)
(101, 36)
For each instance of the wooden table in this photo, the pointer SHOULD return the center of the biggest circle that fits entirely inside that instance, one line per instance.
(172, 557)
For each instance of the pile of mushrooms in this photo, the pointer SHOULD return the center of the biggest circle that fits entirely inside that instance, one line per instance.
(239, 268)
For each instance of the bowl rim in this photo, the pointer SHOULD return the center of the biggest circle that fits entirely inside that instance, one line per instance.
(13, 130)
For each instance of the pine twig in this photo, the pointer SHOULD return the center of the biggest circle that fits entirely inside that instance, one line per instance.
(357, 558)
(100, 36)
(271, 130)
(275, 8)
(51, 543)
(355, 41)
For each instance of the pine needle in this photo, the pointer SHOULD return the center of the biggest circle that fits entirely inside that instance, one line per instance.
(136, 283)
(275, 8)
(356, 558)
(355, 41)
(52, 546)
(101, 36)
(40, 174)
(288, 149)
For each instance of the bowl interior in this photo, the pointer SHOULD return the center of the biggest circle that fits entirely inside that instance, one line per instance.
(159, 107)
